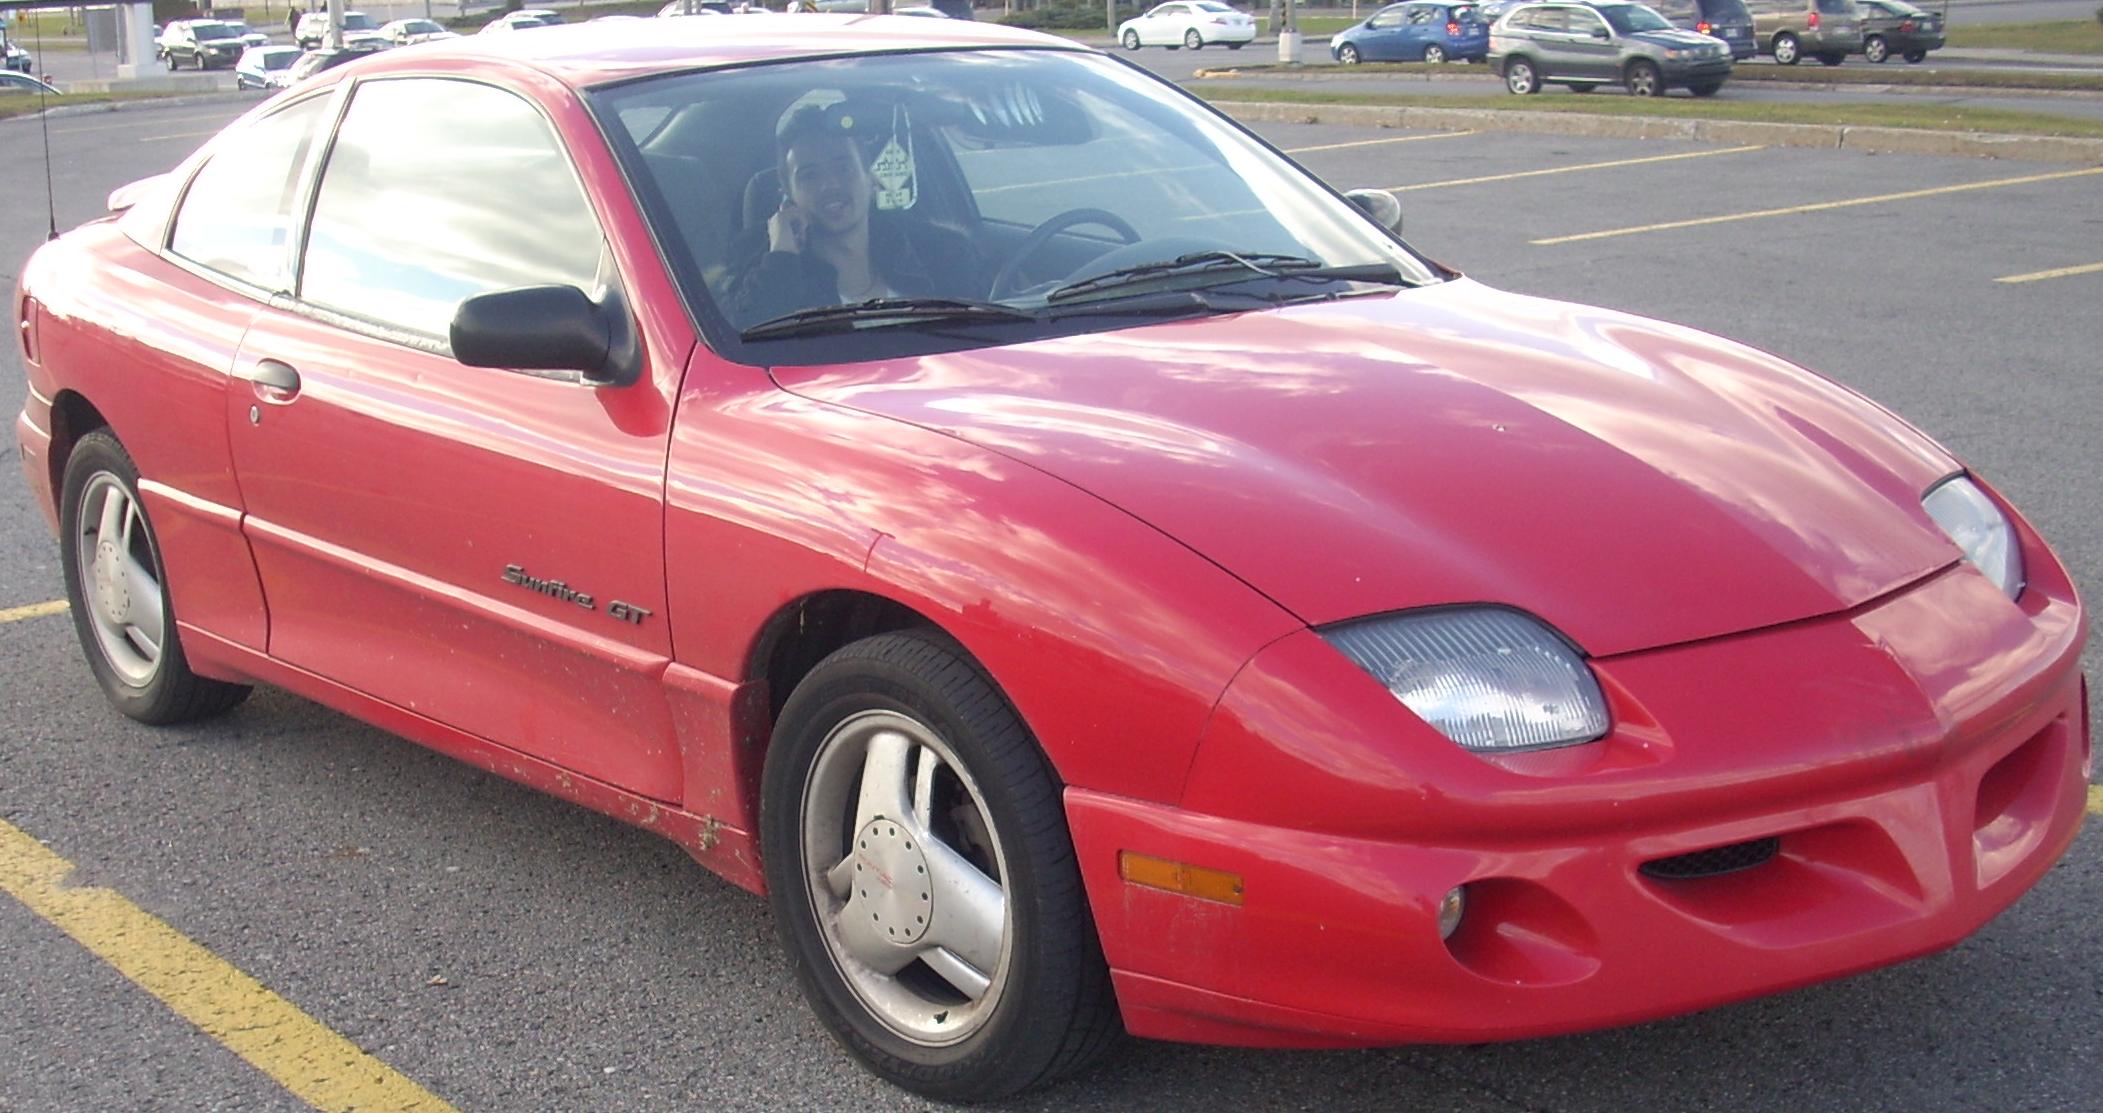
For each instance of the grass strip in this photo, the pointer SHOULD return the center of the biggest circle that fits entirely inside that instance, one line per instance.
(1925, 117)
(1773, 75)
(27, 103)
(2081, 36)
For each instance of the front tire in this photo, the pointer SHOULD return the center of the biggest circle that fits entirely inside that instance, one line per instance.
(1131, 40)
(1434, 54)
(117, 588)
(1876, 49)
(1644, 80)
(1347, 55)
(901, 786)
(1786, 50)
(1520, 78)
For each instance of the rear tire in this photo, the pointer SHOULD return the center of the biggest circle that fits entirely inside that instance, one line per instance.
(898, 759)
(1786, 50)
(118, 590)
(1435, 54)
(1876, 49)
(1644, 80)
(1520, 78)
(1192, 39)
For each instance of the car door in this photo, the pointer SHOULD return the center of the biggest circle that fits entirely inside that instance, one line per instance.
(1421, 24)
(1162, 25)
(1590, 46)
(476, 546)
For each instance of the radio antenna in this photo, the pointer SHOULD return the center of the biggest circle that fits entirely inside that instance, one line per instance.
(44, 125)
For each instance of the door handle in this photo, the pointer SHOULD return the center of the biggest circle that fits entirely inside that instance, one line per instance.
(275, 381)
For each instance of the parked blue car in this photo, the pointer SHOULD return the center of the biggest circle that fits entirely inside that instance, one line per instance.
(1418, 31)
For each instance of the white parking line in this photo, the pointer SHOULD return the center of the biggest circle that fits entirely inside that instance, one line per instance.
(2062, 272)
(1571, 169)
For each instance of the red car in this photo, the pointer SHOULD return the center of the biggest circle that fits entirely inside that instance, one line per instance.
(1086, 572)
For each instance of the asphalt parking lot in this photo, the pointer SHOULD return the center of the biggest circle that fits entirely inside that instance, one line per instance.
(502, 951)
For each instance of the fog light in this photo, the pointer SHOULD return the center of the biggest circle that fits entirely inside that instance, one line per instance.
(1450, 910)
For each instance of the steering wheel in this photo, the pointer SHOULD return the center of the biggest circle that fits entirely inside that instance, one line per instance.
(1004, 282)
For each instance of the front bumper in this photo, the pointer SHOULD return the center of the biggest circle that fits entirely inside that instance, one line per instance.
(1920, 761)
(1681, 74)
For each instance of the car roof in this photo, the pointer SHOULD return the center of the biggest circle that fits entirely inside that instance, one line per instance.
(585, 54)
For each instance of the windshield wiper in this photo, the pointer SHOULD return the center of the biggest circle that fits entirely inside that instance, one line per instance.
(1242, 264)
(882, 311)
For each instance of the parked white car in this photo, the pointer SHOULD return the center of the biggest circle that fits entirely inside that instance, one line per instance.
(1191, 23)
(265, 67)
(402, 32)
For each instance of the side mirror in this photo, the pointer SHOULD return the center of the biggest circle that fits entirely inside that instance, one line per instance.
(1602, 33)
(547, 328)
(1380, 205)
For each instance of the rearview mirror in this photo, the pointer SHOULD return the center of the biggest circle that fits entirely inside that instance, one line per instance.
(1380, 205)
(546, 328)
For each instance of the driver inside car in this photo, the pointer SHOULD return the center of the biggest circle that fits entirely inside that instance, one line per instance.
(828, 244)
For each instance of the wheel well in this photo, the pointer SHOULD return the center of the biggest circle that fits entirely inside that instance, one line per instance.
(803, 633)
(72, 417)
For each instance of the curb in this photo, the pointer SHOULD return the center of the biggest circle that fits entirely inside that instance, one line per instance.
(60, 111)
(1476, 72)
(1873, 140)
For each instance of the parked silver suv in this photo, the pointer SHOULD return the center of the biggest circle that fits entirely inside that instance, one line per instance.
(1587, 45)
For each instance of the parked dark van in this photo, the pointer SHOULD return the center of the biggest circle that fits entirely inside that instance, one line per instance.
(1729, 20)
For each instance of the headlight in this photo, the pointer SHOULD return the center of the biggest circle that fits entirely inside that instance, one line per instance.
(1980, 529)
(1490, 679)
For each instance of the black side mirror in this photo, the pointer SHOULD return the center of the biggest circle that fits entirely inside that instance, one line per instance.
(1380, 205)
(547, 328)
(1602, 33)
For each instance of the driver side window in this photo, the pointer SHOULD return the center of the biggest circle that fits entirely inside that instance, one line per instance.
(1392, 17)
(1584, 23)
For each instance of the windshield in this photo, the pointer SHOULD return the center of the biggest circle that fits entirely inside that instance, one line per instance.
(421, 27)
(203, 31)
(1209, 6)
(1628, 19)
(359, 21)
(1837, 7)
(995, 177)
(1732, 10)
(280, 59)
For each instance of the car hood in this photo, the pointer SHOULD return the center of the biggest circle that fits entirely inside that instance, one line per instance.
(1677, 40)
(1633, 483)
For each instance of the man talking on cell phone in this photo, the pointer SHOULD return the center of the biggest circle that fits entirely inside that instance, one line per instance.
(828, 244)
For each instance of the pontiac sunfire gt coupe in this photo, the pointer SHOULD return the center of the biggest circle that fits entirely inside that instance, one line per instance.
(1087, 573)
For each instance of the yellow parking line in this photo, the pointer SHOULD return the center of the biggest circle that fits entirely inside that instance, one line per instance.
(2062, 272)
(1823, 206)
(2095, 799)
(1571, 169)
(298, 1052)
(1376, 142)
(34, 610)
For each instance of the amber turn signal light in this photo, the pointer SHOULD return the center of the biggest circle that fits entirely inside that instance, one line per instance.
(1178, 877)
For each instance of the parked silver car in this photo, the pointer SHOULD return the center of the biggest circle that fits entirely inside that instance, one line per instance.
(1584, 46)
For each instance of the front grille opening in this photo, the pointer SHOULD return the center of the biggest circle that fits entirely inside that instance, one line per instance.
(1714, 861)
